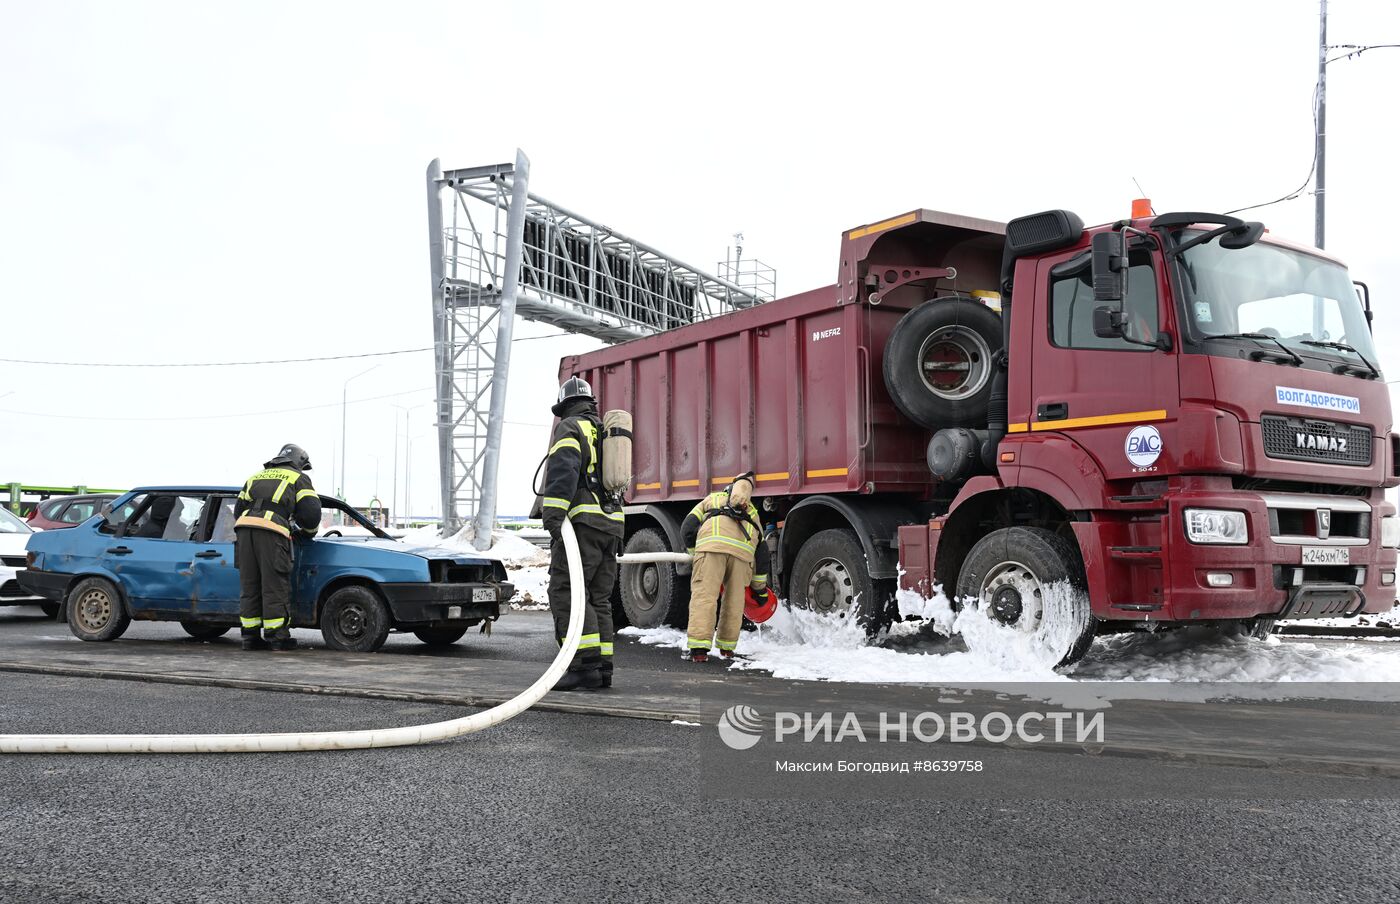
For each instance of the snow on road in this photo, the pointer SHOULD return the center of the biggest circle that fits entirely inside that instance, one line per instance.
(805, 646)
(801, 645)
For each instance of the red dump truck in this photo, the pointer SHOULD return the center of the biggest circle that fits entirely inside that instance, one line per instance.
(1178, 418)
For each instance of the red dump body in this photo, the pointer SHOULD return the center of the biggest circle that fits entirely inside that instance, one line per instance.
(791, 390)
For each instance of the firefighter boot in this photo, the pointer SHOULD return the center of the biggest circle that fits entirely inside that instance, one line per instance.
(606, 670)
(281, 640)
(585, 677)
(251, 640)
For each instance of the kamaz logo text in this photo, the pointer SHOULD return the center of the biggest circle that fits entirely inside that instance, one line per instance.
(1321, 442)
(819, 335)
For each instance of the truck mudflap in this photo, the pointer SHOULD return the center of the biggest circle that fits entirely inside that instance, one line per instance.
(1323, 600)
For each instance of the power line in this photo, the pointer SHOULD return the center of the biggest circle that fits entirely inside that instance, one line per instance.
(208, 417)
(1312, 168)
(402, 351)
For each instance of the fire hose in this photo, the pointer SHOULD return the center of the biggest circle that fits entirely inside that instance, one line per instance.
(333, 740)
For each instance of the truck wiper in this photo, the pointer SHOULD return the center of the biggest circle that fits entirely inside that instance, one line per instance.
(1297, 361)
(1324, 343)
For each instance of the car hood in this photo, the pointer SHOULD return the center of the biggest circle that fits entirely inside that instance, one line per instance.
(415, 549)
(13, 544)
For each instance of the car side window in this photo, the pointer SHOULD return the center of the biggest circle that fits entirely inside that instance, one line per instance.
(49, 510)
(78, 512)
(223, 522)
(120, 516)
(170, 517)
(1072, 309)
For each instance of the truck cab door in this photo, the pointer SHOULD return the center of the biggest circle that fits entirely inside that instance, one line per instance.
(1117, 400)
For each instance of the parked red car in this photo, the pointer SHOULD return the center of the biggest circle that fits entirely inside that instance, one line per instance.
(67, 511)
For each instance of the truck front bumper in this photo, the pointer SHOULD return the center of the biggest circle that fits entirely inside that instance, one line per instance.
(1290, 567)
(431, 604)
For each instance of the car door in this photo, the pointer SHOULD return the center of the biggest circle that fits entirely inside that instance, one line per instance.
(216, 588)
(154, 553)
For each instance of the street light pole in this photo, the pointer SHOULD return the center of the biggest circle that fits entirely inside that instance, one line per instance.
(344, 404)
(1320, 189)
(1320, 132)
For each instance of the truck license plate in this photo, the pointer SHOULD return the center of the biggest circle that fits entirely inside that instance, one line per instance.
(1326, 555)
(488, 594)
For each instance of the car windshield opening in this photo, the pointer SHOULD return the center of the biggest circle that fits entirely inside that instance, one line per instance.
(1307, 303)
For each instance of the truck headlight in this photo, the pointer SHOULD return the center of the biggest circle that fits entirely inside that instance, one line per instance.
(1216, 526)
(1390, 530)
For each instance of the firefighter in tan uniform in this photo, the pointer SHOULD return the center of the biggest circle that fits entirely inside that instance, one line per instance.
(273, 503)
(724, 535)
(573, 489)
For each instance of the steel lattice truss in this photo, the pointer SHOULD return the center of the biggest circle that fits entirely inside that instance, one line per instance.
(576, 274)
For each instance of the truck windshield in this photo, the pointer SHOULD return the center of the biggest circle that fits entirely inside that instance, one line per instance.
(1306, 303)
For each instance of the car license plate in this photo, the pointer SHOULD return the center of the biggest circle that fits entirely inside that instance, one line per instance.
(1326, 555)
(484, 595)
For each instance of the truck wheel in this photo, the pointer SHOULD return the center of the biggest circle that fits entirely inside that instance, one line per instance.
(1258, 628)
(355, 619)
(938, 362)
(653, 595)
(204, 630)
(441, 636)
(1030, 580)
(50, 609)
(831, 577)
(95, 611)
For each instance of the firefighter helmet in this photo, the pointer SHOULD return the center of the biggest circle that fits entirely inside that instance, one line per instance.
(572, 389)
(293, 456)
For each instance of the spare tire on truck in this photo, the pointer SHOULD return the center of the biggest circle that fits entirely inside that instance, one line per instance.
(938, 362)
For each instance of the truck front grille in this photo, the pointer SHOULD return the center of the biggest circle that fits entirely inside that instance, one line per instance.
(1310, 439)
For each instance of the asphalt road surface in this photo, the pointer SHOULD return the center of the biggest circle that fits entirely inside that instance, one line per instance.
(558, 807)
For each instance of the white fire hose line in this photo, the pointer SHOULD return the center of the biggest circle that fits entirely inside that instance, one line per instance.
(654, 558)
(332, 740)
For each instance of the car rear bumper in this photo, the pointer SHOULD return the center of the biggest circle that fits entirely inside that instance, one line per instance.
(43, 584)
(433, 603)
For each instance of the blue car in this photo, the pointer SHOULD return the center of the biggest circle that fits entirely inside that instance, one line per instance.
(130, 562)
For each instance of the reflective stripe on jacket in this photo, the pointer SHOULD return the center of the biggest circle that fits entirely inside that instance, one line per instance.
(572, 474)
(275, 499)
(707, 529)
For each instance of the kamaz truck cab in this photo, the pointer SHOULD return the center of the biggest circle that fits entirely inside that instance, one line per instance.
(1196, 429)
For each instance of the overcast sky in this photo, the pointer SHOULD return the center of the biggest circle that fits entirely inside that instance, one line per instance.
(185, 182)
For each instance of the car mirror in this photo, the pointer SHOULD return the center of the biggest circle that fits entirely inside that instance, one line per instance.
(106, 511)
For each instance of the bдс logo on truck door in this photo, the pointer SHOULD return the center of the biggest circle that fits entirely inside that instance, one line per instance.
(1143, 446)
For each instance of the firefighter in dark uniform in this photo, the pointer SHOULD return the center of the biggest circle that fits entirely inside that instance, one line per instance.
(573, 488)
(274, 502)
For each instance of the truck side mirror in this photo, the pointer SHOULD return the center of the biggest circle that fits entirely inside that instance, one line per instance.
(1110, 267)
(1108, 322)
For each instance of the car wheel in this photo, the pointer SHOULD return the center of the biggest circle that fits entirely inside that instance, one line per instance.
(653, 595)
(441, 636)
(95, 610)
(204, 630)
(355, 619)
(1029, 580)
(830, 577)
(938, 362)
(50, 609)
